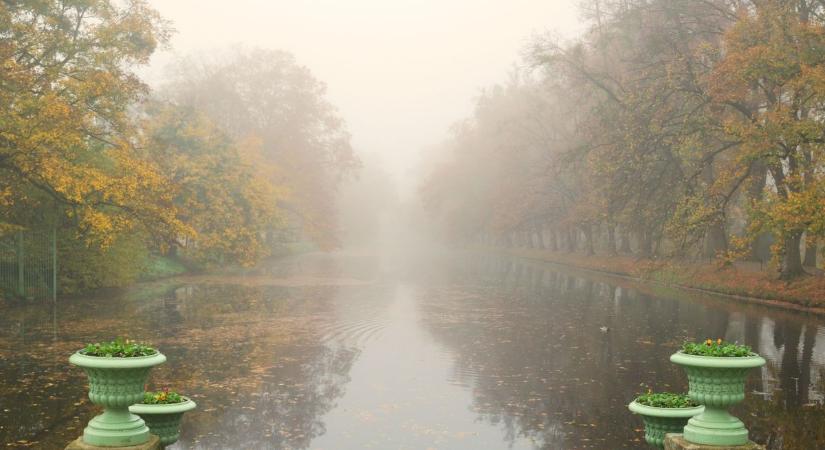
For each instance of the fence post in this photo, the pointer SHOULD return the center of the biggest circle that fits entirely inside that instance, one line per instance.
(21, 276)
(54, 264)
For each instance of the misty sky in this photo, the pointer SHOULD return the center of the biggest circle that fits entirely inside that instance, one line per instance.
(400, 71)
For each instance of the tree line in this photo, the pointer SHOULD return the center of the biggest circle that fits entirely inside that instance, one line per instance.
(670, 128)
(233, 155)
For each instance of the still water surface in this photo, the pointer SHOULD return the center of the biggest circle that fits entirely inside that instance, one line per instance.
(454, 351)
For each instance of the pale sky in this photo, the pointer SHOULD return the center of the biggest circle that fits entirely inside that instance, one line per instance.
(399, 71)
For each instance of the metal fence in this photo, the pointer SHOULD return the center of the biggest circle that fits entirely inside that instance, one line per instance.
(28, 264)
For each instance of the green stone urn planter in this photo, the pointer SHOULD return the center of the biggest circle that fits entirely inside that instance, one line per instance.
(164, 419)
(717, 383)
(660, 421)
(115, 383)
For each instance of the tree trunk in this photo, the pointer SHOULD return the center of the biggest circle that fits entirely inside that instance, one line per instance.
(626, 249)
(571, 240)
(810, 252)
(645, 245)
(791, 258)
(754, 193)
(588, 240)
(554, 244)
(715, 241)
(611, 240)
(539, 231)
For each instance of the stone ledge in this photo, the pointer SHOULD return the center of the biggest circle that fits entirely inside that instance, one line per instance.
(153, 444)
(677, 442)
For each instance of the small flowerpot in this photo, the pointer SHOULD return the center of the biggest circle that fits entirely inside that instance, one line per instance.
(115, 383)
(164, 419)
(660, 421)
(717, 383)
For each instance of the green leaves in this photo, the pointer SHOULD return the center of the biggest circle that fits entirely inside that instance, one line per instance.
(119, 348)
(718, 348)
(666, 400)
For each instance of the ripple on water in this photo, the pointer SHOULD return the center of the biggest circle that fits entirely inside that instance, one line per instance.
(355, 333)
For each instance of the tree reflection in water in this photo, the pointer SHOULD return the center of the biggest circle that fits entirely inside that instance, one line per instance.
(256, 365)
(527, 339)
(268, 356)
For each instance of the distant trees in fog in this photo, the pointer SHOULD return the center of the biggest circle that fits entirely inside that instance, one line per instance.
(670, 128)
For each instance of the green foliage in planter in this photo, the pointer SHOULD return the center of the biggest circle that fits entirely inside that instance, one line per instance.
(163, 397)
(118, 348)
(666, 400)
(718, 348)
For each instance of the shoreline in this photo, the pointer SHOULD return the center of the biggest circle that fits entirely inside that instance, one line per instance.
(712, 280)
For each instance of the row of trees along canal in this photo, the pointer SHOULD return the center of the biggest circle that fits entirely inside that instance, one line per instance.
(221, 164)
(679, 127)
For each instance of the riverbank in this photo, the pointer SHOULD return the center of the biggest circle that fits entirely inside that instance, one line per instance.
(743, 282)
(162, 267)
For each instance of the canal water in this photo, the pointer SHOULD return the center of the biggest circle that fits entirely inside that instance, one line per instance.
(447, 351)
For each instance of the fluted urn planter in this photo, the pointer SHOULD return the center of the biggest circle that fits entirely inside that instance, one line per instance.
(115, 383)
(717, 383)
(660, 421)
(164, 419)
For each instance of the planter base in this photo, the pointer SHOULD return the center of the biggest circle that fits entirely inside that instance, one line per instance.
(678, 442)
(116, 428)
(657, 427)
(716, 426)
(167, 426)
(153, 444)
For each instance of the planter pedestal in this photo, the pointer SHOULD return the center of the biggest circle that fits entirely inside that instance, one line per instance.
(116, 383)
(717, 383)
(153, 444)
(678, 442)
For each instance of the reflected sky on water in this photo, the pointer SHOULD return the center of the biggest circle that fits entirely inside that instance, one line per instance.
(446, 351)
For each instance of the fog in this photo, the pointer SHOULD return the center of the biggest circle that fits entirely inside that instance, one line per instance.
(453, 224)
(400, 72)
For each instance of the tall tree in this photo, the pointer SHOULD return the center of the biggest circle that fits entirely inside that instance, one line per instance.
(268, 96)
(67, 140)
(222, 188)
(775, 60)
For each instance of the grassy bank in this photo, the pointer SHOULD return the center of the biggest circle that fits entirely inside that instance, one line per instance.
(159, 267)
(745, 282)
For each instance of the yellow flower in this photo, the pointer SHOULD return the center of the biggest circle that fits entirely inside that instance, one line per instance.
(708, 342)
(719, 341)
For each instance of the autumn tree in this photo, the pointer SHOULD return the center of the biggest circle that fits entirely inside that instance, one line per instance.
(222, 188)
(266, 95)
(67, 141)
(772, 77)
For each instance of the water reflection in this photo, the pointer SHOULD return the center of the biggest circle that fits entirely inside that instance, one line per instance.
(454, 352)
(254, 357)
(531, 337)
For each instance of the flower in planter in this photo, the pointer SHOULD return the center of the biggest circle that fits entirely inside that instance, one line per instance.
(163, 411)
(662, 413)
(163, 397)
